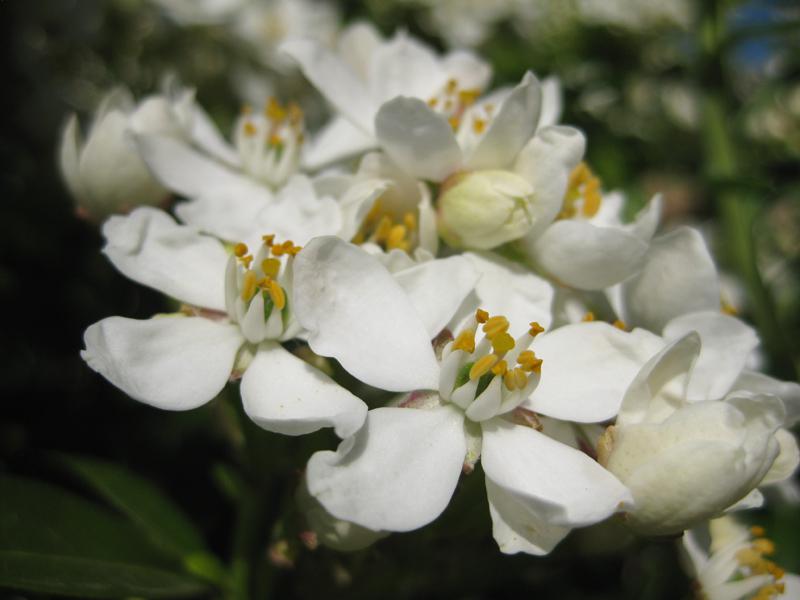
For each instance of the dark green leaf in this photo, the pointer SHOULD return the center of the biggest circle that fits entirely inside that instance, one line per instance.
(153, 512)
(53, 541)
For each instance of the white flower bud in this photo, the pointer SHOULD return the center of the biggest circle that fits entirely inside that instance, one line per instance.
(484, 209)
(699, 461)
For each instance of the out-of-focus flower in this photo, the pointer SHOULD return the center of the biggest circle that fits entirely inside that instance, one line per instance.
(399, 472)
(687, 461)
(237, 315)
(104, 173)
(728, 561)
(366, 71)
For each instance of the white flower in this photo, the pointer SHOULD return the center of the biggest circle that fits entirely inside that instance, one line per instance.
(728, 564)
(239, 314)
(366, 71)
(685, 461)
(400, 470)
(104, 174)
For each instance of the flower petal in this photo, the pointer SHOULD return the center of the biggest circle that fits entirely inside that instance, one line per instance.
(678, 277)
(404, 66)
(69, 158)
(546, 162)
(186, 171)
(418, 139)
(586, 369)
(228, 214)
(150, 248)
(589, 257)
(788, 391)
(516, 525)
(397, 473)
(285, 394)
(560, 484)
(337, 140)
(355, 311)
(436, 289)
(511, 128)
(174, 363)
(726, 346)
(335, 80)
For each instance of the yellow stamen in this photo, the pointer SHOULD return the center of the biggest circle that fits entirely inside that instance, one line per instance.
(468, 97)
(535, 329)
(250, 129)
(529, 361)
(410, 221)
(249, 285)
(397, 238)
(432, 102)
(275, 140)
(465, 341)
(591, 198)
(276, 294)
(509, 381)
(502, 343)
(501, 368)
(274, 111)
(728, 309)
(240, 250)
(481, 316)
(383, 229)
(246, 260)
(271, 267)
(520, 378)
(764, 546)
(452, 86)
(588, 317)
(268, 239)
(454, 122)
(495, 326)
(620, 325)
(478, 125)
(295, 113)
(482, 366)
(277, 250)
(757, 530)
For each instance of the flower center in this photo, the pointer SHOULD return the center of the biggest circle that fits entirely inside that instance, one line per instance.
(752, 560)
(493, 376)
(256, 289)
(269, 143)
(384, 228)
(453, 101)
(583, 196)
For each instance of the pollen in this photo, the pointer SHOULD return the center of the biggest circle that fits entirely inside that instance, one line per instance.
(240, 250)
(276, 294)
(495, 326)
(502, 343)
(482, 366)
(588, 317)
(249, 285)
(271, 267)
(535, 329)
(481, 316)
(465, 341)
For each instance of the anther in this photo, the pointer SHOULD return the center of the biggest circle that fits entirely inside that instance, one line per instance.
(271, 267)
(495, 326)
(250, 129)
(501, 368)
(482, 366)
(249, 285)
(276, 294)
(620, 325)
(535, 329)
(410, 221)
(240, 250)
(588, 317)
(757, 530)
(520, 378)
(246, 260)
(529, 362)
(478, 125)
(397, 238)
(268, 239)
(465, 341)
(502, 343)
(481, 316)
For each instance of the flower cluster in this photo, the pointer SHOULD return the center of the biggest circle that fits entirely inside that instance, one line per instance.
(444, 241)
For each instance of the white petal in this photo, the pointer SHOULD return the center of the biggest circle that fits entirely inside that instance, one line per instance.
(516, 525)
(285, 394)
(506, 288)
(418, 139)
(587, 368)
(150, 248)
(398, 472)
(787, 460)
(511, 128)
(788, 391)
(356, 44)
(337, 140)
(436, 289)
(335, 80)
(546, 162)
(404, 66)
(726, 346)
(678, 277)
(589, 257)
(229, 214)
(69, 158)
(175, 363)
(673, 362)
(552, 102)
(468, 69)
(207, 137)
(184, 170)
(562, 485)
(355, 311)
(647, 220)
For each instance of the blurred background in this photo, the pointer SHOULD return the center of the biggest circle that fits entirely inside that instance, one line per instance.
(699, 101)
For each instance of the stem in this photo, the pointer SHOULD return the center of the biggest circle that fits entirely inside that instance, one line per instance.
(738, 211)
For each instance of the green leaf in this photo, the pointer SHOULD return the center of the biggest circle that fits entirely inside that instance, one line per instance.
(146, 506)
(53, 541)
